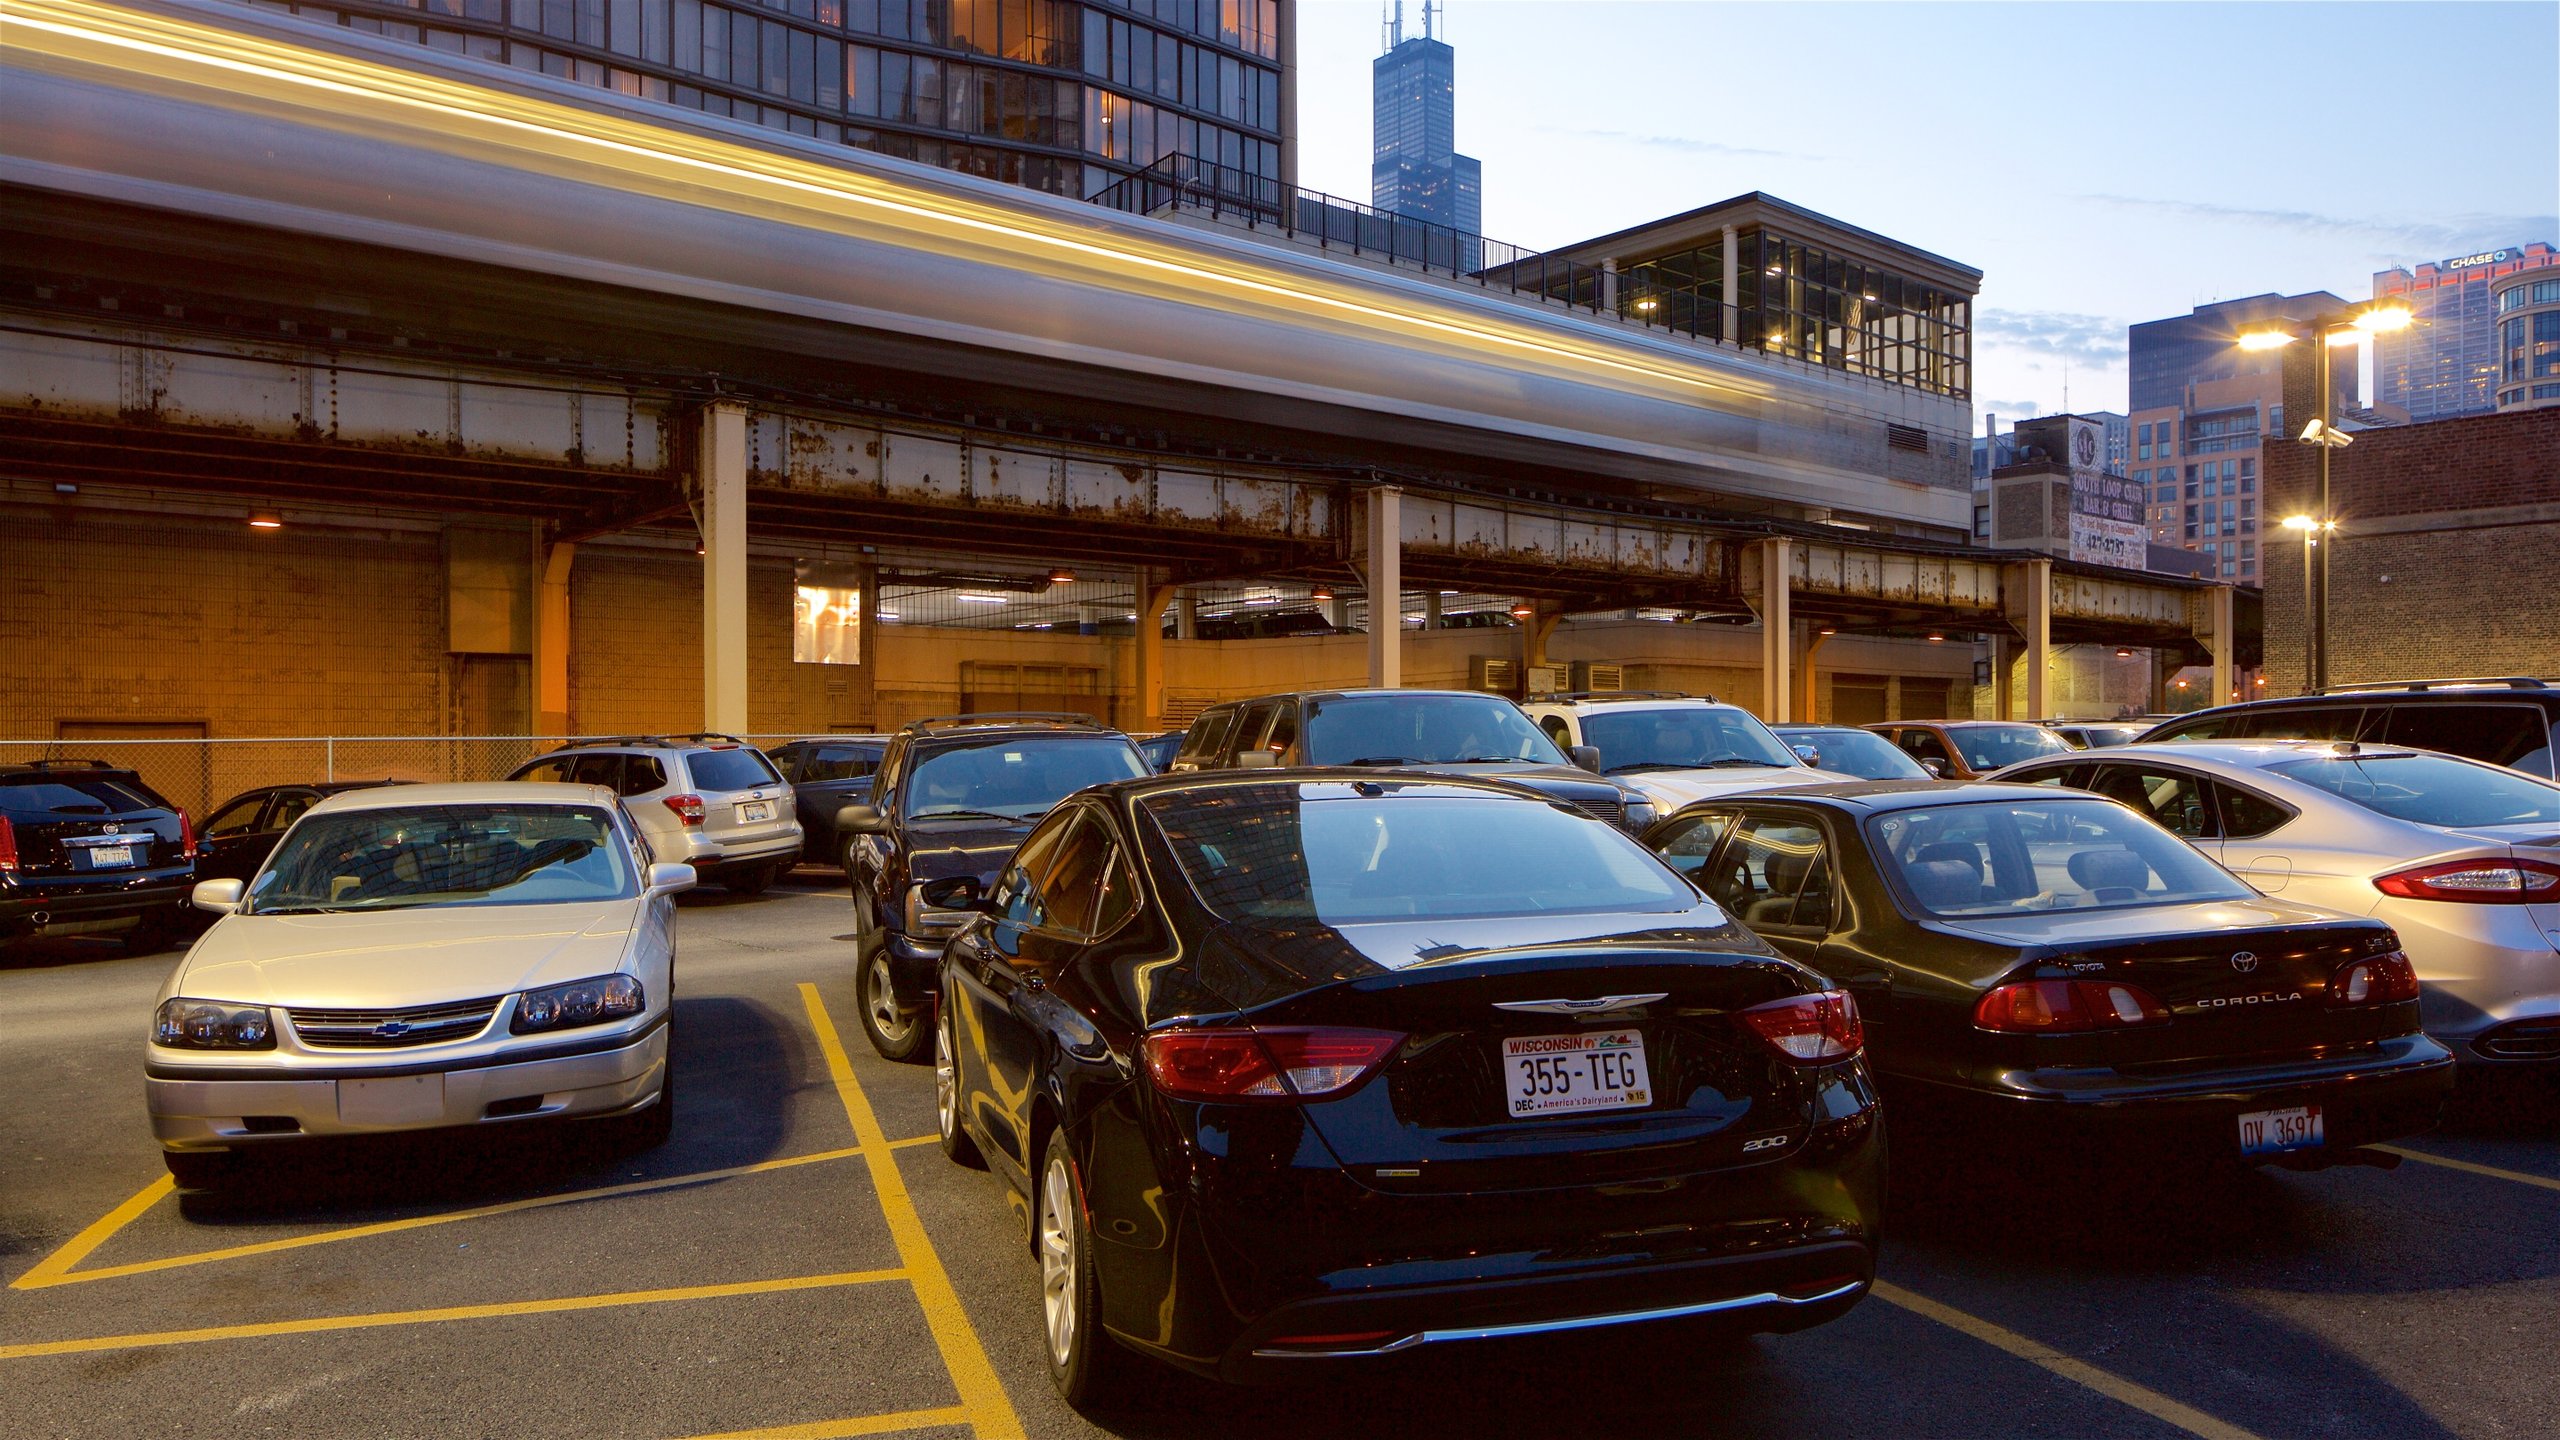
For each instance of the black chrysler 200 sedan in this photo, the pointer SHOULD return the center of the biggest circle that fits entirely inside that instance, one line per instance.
(2035, 955)
(1303, 1066)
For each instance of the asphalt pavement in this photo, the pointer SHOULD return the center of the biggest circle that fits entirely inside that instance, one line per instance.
(800, 1260)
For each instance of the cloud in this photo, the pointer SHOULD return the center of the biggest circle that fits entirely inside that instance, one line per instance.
(2451, 235)
(1682, 143)
(2092, 340)
(2013, 409)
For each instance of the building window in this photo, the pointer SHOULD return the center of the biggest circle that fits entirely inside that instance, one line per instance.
(1802, 302)
(826, 624)
(2142, 441)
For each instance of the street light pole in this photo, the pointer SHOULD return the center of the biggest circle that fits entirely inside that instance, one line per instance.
(2316, 669)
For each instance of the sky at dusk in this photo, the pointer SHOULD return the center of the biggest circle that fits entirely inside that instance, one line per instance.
(2100, 163)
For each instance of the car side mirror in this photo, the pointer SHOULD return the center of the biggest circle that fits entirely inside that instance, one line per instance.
(1937, 768)
(670, 879)
(1586, 756)
(219, 896)
(1808, 754)
(861, 820)
(960, 892)
(1257, 760)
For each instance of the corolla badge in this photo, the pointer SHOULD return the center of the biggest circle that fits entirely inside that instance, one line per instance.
(2245, 961)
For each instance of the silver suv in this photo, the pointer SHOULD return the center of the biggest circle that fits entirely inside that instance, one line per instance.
(713, 802)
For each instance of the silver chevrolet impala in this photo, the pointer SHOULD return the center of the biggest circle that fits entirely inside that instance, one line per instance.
(421, 957)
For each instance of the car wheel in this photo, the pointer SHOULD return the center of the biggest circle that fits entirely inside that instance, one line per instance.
(1090, 1369)
(748, 881)
(956, 1144)
(896, 1031)
(200, 1172)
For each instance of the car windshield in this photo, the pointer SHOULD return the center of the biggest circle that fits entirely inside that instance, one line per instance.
(2007, 857)
(1016, 777)
(1862, 753)
(1340, 855)
(1422, 730)
(437, 855)
(738, 769)
(2431, 789)
(1988, 747)
(1681, 737)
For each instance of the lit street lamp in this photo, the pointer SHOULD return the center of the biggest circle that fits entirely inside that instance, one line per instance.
(2374, 318)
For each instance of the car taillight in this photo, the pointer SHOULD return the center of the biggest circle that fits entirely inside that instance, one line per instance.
(688, 809)
(1277, 1064)
(1808, 1029)
(2382, 980)
(2486, 881)
(8, 847)
(186, 837)
(2063, 1007)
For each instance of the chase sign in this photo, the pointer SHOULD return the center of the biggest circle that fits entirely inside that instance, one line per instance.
(2485, 257)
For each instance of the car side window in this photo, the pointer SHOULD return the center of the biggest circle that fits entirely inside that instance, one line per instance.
(547, 771)
(1250, 723)
(1690, 839)
(836, 763)
(1775, 873)
(1557, 731)
(1207, 734)
(605, 770)
(1071, 889)
(289, 808)
(2499, 734)
(1119, 897)
(2308, 722)
(1284, 729)
(1925, 745)
(240, 817)
(2061, 776)
(1017, 894)
(2246, 814)
(640, 774)
(2176, 800)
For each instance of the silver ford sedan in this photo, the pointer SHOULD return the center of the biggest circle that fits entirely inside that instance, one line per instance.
(421, 957)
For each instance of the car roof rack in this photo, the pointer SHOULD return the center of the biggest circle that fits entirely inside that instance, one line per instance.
(2450, 682)
(1573, 696)
(41, 766)
(703, 737)
(1064, 719)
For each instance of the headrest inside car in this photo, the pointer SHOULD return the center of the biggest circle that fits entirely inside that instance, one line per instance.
(1944, 884)
(2113, 869)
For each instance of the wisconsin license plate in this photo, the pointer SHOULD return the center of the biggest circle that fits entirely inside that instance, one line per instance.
(751, 811)
(2273, 1132)
(104, 855)
(1568, 1074)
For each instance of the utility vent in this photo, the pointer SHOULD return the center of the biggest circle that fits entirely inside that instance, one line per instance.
(1599, 675)
(1906, 437)
(1498, 673)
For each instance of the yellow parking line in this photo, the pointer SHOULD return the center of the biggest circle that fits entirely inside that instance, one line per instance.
(858, 1425)
(380, 1319)
(2149, 1401)
(2448, 1162)
(48, 1270)
(982, 1397)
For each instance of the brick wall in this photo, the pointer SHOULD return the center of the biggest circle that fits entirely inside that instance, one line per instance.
(2447, 553)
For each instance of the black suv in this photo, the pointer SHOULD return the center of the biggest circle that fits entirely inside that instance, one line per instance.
(1434, 732)
(85, 846)
(952, 798)
(826, 776)
(2514, 721)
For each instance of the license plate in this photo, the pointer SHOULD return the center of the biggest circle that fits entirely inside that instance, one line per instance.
(2273, 1132)
(104, 855)
(1569, 1074)
(752, 811)
(397, 1100)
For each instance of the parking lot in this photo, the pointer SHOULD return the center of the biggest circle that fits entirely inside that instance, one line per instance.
(801, 1260)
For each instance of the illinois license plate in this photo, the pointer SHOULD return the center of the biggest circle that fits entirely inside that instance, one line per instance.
(751, 811)
(2273, 1132)
(1569, 1074)
(101, 856)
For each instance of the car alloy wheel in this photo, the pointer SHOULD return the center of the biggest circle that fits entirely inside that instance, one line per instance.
(956, 1144)
(1090, 1368)
(1058, 1292)
(897, 1033)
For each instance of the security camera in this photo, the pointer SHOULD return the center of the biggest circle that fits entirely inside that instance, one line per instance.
(2319, 433)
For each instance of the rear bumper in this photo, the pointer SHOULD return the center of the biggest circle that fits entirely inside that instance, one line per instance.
(708, 856)
(232, 1113)
(35, 904)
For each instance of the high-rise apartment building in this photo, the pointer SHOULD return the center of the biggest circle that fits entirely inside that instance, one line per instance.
(2203, 408)
(2529, 339)
(2446, 363)
(1056, 95)
(1415, 168)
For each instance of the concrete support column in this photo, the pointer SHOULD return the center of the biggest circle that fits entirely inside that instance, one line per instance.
(551, 639)
(1808, 696)
(1186, 617)
(1431, 617)
(1153, 596)
(1768, 567)
(2218, 606)
(720, 480)
(1381, 560)
(2026, 595)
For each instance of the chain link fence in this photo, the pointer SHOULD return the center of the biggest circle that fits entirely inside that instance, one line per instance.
(197, 775)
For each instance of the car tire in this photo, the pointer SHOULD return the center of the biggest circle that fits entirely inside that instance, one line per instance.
(957, 1147)
(1090, 1369)
(750, 880)
(201, 1172)
(897, 1035)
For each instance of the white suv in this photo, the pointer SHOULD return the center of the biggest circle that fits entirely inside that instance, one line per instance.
(713, 802)
(1675, 748)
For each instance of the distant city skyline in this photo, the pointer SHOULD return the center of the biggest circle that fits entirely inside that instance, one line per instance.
(2224, 151)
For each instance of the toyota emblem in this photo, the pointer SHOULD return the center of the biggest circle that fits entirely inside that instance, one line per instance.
(2245, 961)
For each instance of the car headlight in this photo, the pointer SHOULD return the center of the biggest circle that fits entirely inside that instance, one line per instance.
(580, 1002)
(213, 1025)
(932, 922)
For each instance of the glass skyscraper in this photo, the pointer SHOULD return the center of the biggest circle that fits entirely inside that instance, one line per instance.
(2446, 363)
(1056, 95)
(1415, 169)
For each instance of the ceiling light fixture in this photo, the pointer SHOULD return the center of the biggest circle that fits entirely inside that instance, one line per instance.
(1322, 594)
(1062, 576)
(265, 520)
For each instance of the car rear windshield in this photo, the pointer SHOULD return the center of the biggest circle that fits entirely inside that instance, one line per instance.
(68, 797)
(2007, 857)
(1988, 747)
(2431, 789)
(1862, 753)
(1681, 737)
(739, 769)
(437, 855)
(1422, 730)
(1329, 853)
(1015, 777)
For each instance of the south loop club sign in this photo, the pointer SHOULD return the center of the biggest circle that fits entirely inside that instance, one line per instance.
(2106, 510)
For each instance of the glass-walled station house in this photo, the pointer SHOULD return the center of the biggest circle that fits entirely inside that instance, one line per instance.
(1055, 95)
